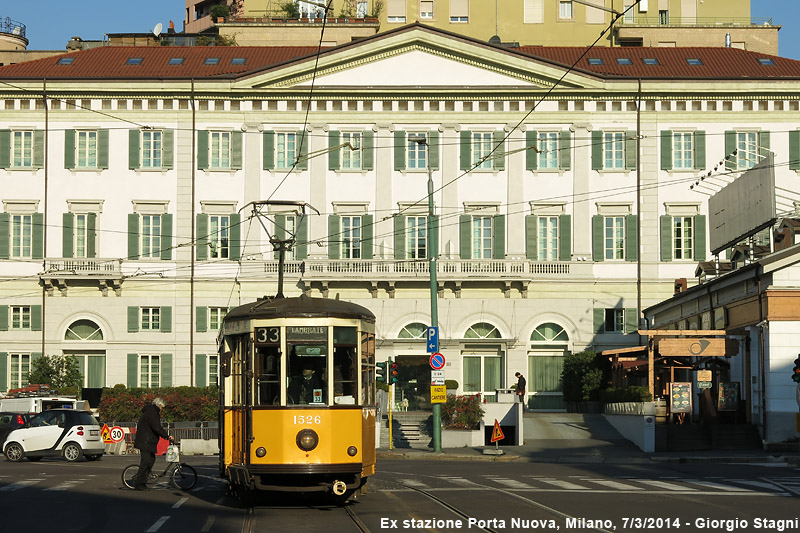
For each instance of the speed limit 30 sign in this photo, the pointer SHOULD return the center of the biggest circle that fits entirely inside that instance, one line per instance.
(116, 434)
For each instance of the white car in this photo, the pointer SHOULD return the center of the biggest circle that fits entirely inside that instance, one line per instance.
(54, 433)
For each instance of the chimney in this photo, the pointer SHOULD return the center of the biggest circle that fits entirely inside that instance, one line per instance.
(680, 285)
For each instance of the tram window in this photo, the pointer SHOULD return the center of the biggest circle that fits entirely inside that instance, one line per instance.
(367, 368)
(307, 365)
(344, 375)
(268, 375)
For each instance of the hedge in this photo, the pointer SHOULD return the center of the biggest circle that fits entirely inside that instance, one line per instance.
(183, 404)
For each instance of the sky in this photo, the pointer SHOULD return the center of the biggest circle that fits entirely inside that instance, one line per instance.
(51, 23)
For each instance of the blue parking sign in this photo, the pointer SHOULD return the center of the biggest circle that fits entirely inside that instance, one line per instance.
(433, 339)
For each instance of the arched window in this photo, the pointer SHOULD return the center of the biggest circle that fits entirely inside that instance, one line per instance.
(549, 332)
(83, 330)
(482, 330)
(415, 330)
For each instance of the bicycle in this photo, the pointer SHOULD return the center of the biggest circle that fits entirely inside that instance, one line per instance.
(181, 475)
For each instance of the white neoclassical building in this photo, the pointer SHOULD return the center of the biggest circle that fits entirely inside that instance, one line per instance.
(127, 176)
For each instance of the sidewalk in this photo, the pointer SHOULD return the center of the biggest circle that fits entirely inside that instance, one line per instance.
(577, 438)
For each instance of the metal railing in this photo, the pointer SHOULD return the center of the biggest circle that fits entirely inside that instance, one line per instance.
(12, 27)
(696, 21)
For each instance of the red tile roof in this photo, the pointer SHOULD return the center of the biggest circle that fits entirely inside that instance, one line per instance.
(717, 63)
(109, 62)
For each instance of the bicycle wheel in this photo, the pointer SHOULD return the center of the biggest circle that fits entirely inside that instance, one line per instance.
(129, 475)
(183, 476)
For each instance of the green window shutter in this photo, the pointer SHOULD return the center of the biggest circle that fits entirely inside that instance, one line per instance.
(166, 319)
(598, 240)
(102, 149)
(333, 155)
(302, 140)
(5, 236)
(632, 237)
(268, 146)
(3, 370)
(699, 150)
(166, 370)
(67, 221)
(730, 146)
(168, 149)
(367, 150)
(301, 239)
(433, 241)
(3, 324)
(699, 237)
(666, 150)
(91, 235)
(200, 378)
(38, 149)
(69, 149)
(465, 236)
(666, 237)
(630, 150)
(367, 231)
(531, 147)
(763, 140)
(499, 237)
(532, 236)
(133, 149)
(236, 150)
(201, 318)
(597, 150)
(399, 150)
(599, 320)
(202, 150)
(631, 320)
(5, 148)
(38, 236)
(201, 237)
(565, 150)
(794, 150)
(133, 370)
(499, 155)
(334, 237)
(564, 237)
(280, 232)
(166, 237)
(133, 319)
(433, 146)
(36, 318)
(465, 149)
(235, 233)
(133, 236)
(399, 237)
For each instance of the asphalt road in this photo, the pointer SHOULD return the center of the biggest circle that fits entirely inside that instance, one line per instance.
(55, 496)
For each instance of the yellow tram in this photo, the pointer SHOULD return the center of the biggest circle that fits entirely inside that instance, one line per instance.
(297, 396)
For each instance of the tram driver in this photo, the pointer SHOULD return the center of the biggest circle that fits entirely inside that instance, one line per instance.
(307, 388)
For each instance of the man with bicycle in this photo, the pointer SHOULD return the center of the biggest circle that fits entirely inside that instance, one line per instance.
(148, 431)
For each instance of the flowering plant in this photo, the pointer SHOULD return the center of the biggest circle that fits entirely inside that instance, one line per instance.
(462, 412)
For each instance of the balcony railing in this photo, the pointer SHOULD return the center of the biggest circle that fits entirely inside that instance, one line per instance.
(697, 21)
(83, 267)
(12, 27)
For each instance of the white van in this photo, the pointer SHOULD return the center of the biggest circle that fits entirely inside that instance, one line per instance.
(37, 404)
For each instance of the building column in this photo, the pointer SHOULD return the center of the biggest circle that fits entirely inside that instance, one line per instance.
(448, 195)
(383, 245)
(581, 206)
(515, 215)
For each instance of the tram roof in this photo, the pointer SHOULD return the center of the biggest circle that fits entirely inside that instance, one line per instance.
(302, 306)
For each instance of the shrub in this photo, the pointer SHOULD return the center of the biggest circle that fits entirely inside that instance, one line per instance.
(219, 12)
(183, 404)
(628, 394)
(462, 412)
(450, 384)
(61, 372)
(582, 376)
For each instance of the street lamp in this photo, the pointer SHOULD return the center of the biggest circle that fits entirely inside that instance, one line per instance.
(437, 408)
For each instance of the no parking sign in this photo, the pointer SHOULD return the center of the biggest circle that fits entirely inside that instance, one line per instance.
(437, 361)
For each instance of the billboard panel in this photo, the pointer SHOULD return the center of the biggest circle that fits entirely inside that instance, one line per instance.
(743, 207)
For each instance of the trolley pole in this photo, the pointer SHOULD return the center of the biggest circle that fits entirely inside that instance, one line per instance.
(432, 252)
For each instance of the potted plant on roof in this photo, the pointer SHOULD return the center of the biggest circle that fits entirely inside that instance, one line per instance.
(219, 13)
(292, 11)
(462, 422)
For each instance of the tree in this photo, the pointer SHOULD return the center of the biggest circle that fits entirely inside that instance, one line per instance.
(582, 376)
(59, 371)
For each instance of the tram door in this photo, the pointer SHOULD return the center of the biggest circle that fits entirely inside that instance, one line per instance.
(236, 399)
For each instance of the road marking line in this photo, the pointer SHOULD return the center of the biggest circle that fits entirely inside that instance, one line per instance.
(719, 486)
(158, 524)
(207, 526)
(460, 481)
(413, 483)
(66, 485)
(563, 484)
(664, 485)
(20, 485)
(760, 484)
(613, 484)
(512, 483)
(180, 502)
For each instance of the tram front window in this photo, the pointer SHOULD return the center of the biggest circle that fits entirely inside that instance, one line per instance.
(307, 366)
(268, 372)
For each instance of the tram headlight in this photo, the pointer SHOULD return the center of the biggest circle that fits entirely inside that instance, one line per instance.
(307, 439)
(352, 451)
(261, 451)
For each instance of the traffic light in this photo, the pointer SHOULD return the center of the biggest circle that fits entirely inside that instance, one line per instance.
(392, 371)
(796, 371)
(380, 371)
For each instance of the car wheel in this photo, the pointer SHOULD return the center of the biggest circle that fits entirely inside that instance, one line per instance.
(72, 452)
(14, 452)
(34, 459)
